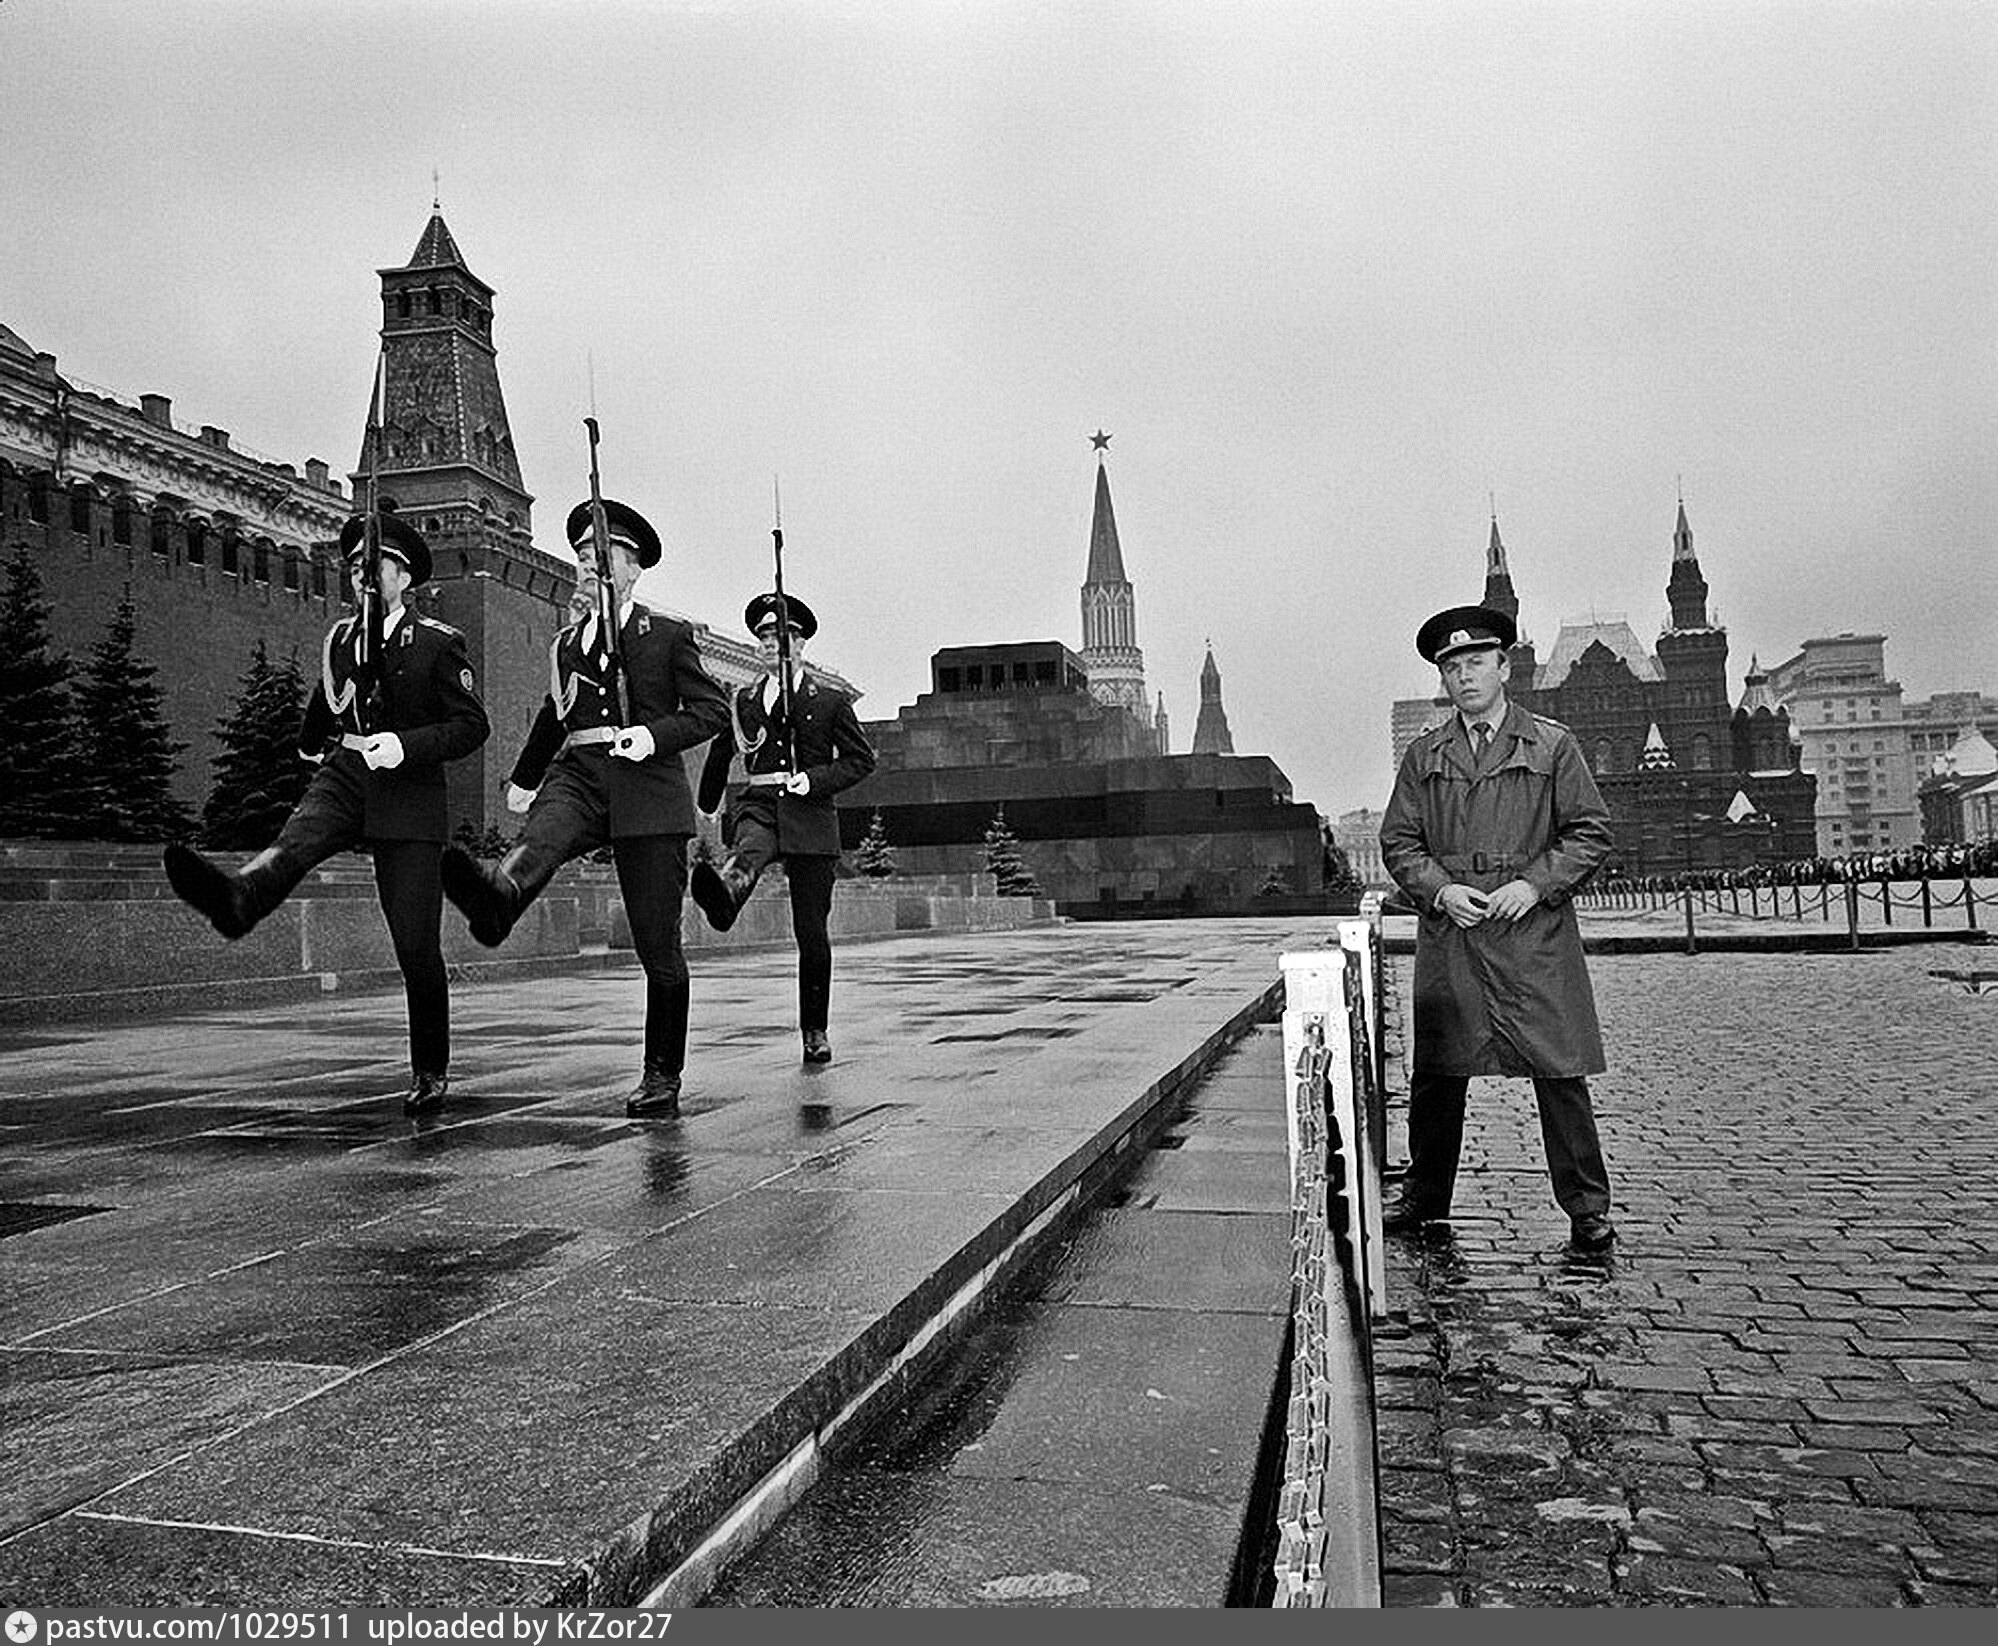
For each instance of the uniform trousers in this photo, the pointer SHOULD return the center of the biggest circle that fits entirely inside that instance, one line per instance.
(811, 875)
(570, 816)
(1567, 1133)
(408, 883)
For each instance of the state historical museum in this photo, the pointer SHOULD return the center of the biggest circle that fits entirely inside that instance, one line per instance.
(1693, 779)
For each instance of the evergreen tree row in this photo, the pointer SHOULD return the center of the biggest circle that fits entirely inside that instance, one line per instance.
(88, 755)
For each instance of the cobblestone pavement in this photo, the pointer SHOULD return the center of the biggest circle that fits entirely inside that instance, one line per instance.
(1782, 1389)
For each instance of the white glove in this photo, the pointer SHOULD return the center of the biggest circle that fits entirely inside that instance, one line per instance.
(383, 752)
(633, 743)
(798, 783)
(517, 798)
(311, 757)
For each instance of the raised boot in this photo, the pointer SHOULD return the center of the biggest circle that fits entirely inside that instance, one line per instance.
(721, 892)
(492, 896)
(232, 902)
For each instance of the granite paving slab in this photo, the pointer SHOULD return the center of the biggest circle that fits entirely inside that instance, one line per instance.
(531, 1347)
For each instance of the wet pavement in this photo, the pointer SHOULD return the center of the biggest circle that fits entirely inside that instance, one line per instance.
(1095, 1440)
(262, 1339)
(1782, 1389)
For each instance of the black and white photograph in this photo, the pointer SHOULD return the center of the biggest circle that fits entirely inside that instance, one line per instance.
(993, 805)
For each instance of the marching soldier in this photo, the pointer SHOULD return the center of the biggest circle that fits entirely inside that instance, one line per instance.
(380, 735)
(785, 810)
(585, 779)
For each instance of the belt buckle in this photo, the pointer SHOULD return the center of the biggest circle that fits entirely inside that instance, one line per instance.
(1483, 863)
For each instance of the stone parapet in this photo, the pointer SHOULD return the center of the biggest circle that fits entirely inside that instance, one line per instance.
(96, 931)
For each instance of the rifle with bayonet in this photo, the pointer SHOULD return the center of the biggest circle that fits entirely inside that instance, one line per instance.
(369, 643)
(606, 589)
(790, 744)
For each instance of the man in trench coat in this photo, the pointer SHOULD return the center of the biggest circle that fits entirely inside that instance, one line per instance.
(1494, 822)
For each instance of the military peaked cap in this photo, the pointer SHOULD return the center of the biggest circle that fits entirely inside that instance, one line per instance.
(1460, 629)
(763, 609)
(623, 520)
(399, 538)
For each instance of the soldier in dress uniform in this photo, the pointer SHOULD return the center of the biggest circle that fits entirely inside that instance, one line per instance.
(585, 779)
(785, 810)
(1493, 824)
(380, 737)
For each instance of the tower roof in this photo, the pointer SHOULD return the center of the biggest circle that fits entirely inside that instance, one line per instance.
(1210, 731)
(1106, 559)
(1578, 634)
(1755, 692)
(436, 250)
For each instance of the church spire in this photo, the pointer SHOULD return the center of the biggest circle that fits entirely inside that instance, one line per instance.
(1109, 609)
(1210, 731)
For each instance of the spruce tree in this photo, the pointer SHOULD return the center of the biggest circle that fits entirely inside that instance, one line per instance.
(129, 758)
(874, 856)
(39, 771)
(1004, 862)
(258, 775)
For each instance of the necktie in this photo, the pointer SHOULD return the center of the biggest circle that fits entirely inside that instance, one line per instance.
(1482, 740)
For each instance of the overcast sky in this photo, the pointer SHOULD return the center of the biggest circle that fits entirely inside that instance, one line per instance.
(1331, 275)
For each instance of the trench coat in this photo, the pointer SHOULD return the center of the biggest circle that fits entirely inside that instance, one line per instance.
(1502, 997)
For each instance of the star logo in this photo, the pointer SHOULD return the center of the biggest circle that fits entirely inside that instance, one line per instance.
(21, 1627)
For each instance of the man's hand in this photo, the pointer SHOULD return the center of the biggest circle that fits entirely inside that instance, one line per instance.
(1511, 900)
(633, 743)
(383, 752)
(798, 783)
(517, 798)
(1465, 905)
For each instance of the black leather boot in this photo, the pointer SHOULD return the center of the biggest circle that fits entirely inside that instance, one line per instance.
(492, 896)
(233, 903)
(426, 1094)
(818, 1049)
(720, 893)
(656, 1096)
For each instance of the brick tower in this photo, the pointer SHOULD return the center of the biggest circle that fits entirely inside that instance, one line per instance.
(1696, 717)
(448, 464)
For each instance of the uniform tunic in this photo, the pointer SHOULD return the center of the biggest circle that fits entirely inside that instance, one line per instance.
(831, 750)
(1502, 997)
(671, 694)
(427, 697)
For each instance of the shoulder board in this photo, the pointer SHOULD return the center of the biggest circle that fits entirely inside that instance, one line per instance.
(436, 627)
(1546, 724)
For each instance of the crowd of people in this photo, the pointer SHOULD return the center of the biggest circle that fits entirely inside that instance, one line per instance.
(1918, 862)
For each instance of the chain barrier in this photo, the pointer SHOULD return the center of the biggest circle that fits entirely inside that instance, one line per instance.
(1328, 1519)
